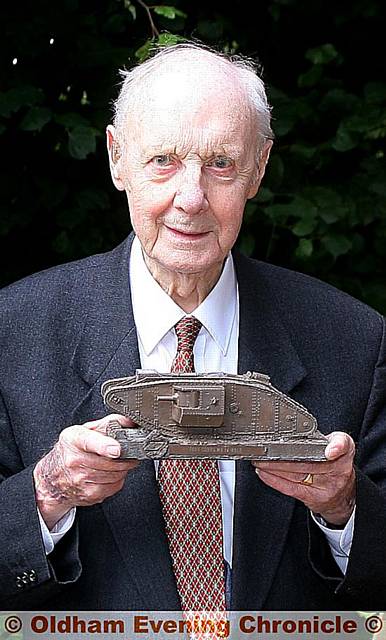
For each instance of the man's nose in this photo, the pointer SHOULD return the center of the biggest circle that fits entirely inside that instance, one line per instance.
(191, 195)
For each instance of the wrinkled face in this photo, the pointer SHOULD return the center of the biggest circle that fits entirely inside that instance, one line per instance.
(188, 165)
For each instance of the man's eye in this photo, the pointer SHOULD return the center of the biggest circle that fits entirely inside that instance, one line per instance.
(220, 162)
(162, 160)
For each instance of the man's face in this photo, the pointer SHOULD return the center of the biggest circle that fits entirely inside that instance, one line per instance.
(188, 166)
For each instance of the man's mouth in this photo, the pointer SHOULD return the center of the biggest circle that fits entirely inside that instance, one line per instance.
(187, 233)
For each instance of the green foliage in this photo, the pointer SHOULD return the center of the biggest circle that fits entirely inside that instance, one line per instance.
(322, 55)
(322, 206)
(163, 39)
(169, 12)
(35, 119)
(16, 98)
(82, 141)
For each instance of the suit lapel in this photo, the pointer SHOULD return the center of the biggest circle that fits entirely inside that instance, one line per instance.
(108, 348)
(262, 515)
(135, 518)
(264, 342)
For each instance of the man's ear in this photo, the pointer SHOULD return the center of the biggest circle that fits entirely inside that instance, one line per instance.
(115, 160)
(260, 168)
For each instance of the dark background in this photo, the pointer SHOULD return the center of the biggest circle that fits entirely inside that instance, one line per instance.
(322, 208)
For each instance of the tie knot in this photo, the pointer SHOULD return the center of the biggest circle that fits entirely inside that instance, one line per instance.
(187, 330)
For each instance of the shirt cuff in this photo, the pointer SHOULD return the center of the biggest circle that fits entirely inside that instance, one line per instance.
(339, 540)
(50, 538)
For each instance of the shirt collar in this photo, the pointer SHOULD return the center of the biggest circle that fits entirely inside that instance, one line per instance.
(155, 313)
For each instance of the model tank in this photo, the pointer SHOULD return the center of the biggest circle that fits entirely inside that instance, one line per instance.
(211, 415)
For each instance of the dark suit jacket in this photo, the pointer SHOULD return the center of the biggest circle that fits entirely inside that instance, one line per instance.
(65, 331)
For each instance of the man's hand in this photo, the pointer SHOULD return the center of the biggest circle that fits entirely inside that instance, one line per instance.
(81, 470)
(332, 492)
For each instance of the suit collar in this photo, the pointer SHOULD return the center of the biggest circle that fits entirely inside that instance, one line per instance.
(107, 342)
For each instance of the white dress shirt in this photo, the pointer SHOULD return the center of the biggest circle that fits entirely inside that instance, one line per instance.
(215, 349)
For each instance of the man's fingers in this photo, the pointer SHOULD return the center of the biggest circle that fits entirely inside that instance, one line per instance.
(102, 424)
(84, 477)
(95, 442)
(293, 467)
(95, 462)
(340, 444)
(330, 486)
(287, 476)
(81, 469)
(91, 437)
(289, 487)
(82, 439)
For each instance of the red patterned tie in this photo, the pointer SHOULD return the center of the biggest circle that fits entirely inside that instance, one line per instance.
(191, 505)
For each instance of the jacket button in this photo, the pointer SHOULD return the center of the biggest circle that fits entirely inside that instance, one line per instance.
(32, 576)
(25, 577)
(19, 582)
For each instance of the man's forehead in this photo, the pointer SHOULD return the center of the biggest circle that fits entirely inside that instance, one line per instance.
(204, 134)
(187, 81)
(174, 100)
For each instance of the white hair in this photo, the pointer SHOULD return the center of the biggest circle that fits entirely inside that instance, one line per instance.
(246, 71)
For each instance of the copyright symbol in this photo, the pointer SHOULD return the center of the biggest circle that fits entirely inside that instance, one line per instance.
(373, 624)
(12, 624)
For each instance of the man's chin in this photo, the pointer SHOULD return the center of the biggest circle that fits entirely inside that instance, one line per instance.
(192, 263)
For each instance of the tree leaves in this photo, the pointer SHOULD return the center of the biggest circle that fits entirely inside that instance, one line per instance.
(336, 244)
(82, 141)
(345, 139)
(35, 119)
(164, 40)
(168, 12)
(304, 248)
(18, 97)
(322, 55)
(311, 77)
(305, 226)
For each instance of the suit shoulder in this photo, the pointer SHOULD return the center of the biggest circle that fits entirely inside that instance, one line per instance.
(299, 294)
(74, 280)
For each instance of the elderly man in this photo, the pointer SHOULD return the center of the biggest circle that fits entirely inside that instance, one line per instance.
(84, 529)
